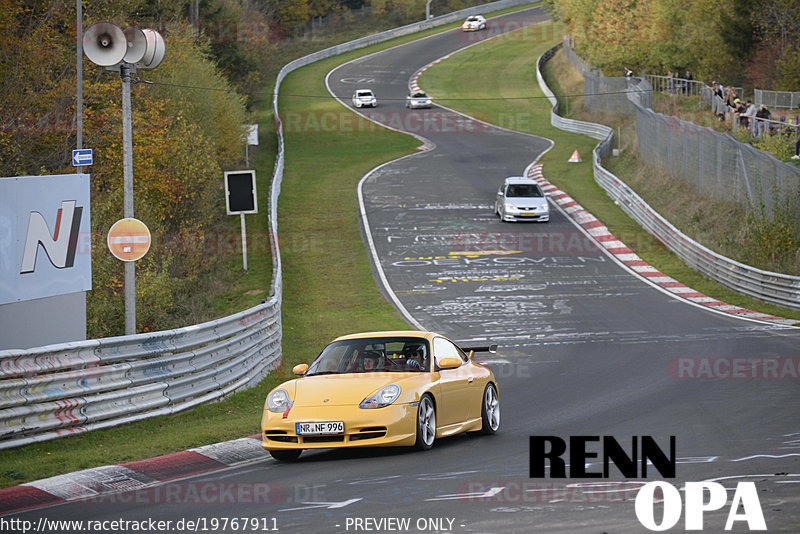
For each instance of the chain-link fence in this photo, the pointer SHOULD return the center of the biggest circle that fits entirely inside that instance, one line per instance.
(778, 99)
(777, 288)
(716, 163)
(610, 95)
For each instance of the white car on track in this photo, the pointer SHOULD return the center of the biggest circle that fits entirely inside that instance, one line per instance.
(474, 23)
(418, 99)
(521, 199)
(364, 97)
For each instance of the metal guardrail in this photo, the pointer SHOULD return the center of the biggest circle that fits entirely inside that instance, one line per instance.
(593, 130)
(777, 99)
(60, 390)
(772, 287)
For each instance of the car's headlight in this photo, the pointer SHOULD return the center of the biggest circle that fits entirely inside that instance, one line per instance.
(510, 207)
(383, 397)
(278, 401)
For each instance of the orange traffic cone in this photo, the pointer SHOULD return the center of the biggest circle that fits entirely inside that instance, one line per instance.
(575, 157)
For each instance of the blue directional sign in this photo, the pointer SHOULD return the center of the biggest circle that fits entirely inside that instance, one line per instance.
(82, 157)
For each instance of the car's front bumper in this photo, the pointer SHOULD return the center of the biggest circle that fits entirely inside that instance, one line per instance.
(516, 217)
(393, 425)
(417, 105)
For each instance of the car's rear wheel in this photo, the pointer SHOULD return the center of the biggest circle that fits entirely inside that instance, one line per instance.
(286, 456)
(490, 410)
(426, 423)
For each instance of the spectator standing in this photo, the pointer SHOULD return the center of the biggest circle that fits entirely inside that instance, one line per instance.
(749, 117)
(686, 85)
(717, 89)
(762, 125)
(670, 77)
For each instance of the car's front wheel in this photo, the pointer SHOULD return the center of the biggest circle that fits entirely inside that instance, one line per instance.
(286, 456)
(490, 410)
(426, 423)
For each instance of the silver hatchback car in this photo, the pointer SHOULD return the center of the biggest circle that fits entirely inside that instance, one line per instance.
(521, 199)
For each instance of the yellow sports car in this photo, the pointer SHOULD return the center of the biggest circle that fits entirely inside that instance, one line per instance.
(381, 389)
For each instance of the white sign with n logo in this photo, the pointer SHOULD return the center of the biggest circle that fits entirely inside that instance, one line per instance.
(45, 240)
(60, 247)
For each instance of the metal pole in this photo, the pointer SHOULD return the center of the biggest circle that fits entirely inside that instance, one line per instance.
(428, 9)
(244, 242)
(79, 76)
(127, 186)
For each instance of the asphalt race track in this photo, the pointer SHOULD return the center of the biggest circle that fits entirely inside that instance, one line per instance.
(586, 348)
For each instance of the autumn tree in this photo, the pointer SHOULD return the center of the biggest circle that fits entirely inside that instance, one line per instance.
(186, 130)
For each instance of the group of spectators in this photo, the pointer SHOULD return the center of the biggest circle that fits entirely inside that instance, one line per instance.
(677, 84)
(754, 118)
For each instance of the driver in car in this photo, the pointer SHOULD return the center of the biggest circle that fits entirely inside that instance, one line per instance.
(371, 361)
(415, 359)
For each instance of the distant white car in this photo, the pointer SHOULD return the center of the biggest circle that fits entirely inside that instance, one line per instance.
(474, 23)
(418, 99)
(521, 199)
(364, 97)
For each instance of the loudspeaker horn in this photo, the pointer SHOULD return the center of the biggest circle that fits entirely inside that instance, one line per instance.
(137, 45)
(104, 44)
(156, 48)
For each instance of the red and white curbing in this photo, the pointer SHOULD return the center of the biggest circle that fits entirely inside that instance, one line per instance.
(626, 256)
(131, 476)
(413, 83)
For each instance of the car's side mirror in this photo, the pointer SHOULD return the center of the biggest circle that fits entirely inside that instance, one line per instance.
(450, 363)
(300, 369)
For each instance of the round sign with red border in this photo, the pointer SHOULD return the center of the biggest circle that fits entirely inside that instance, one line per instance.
(129, 239)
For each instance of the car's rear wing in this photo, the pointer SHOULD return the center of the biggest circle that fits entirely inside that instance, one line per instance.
(471, 347)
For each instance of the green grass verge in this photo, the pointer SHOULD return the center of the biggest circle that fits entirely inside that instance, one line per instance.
(508, 70)
(328, 285)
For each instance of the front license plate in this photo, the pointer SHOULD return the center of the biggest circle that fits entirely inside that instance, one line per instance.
(527, 215)
(327, 427)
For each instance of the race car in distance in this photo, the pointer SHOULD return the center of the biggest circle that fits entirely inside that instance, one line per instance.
(403, 388)
(474, 23)
(521, 199)
(364, 97)
(418, 99)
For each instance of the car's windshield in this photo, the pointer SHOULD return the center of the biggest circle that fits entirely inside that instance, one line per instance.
(370, 355)
(524, 190)
(419, 95)
(364, 93)
(473, 19)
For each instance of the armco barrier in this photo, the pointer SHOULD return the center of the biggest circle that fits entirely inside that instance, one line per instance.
(59, 390)
(772, 287)
(53, 391)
